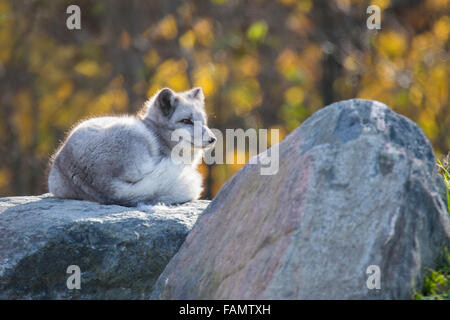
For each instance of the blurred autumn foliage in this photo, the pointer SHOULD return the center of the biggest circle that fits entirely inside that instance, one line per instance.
(261, 63)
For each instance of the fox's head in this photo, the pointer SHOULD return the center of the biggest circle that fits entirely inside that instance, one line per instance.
(180, 118)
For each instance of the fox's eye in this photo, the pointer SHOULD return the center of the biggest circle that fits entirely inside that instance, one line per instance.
(187, 121)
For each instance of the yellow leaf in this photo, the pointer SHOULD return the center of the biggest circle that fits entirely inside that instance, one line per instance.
(152, 58)
(249, 66)
(304, 6)
(203, 32)
(257, 31)
(391, 44)
(287, 62)
(65, 90)
(187, 40)
(415, 95)
(88, 68)
(294, 95)
(171, 73)
(167, 28)
(204, 77)
(178, 82)
(442, 28)
(245, 96)
(383, 4)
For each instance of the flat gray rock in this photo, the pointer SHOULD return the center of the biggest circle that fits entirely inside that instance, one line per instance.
(121, 251)
(357, 187)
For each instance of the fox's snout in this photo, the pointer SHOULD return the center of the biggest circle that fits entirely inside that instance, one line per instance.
(209, 139)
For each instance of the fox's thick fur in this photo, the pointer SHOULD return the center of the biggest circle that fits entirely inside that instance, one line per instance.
(127, 160)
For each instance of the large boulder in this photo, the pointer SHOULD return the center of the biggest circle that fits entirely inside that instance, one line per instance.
(120, 251)
(356, 193)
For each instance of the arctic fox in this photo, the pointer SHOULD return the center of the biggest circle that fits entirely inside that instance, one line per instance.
(127, 160)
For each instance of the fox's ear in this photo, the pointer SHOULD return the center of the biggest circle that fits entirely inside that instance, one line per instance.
(166, 101)
(197, 93)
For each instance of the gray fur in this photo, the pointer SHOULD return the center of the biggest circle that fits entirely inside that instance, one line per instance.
(127, 160)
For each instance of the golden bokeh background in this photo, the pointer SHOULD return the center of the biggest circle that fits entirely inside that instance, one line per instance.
(261, 63)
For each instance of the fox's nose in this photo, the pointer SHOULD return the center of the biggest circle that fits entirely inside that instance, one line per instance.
(212, 140)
